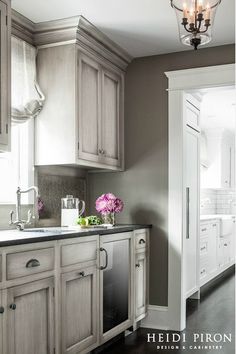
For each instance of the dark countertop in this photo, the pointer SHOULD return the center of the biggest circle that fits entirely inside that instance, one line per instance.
(15, 237)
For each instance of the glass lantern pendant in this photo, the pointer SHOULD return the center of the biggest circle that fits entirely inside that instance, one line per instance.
(195, 20)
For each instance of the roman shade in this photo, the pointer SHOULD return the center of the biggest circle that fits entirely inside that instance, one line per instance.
(27, 98)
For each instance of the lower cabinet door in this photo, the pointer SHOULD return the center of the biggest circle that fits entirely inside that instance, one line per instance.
(30, 318)
(140, 286)
(227, 252)
(80, 300)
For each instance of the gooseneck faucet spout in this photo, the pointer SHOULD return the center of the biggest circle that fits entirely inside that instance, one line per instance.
(20, 223)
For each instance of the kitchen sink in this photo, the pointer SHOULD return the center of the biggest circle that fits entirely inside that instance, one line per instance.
(56, 230)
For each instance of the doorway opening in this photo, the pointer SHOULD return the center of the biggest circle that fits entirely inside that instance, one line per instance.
(209, 242)
(180, 84)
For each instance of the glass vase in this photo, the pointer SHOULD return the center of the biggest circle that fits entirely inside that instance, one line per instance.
(109, 219)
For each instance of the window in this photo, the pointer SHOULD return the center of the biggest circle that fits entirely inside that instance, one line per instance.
(17, 166)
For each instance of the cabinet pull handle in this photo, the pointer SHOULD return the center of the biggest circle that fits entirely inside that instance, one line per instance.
(187, 212)
(204, 229)
(137, 265)
(203, 248)
(106, 264)
(1, 309)
(82, 274)
(214, 225)
(141, 241)
(12, 306)
(32, 263)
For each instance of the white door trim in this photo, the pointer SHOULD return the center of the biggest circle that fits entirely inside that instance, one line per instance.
(178, 83)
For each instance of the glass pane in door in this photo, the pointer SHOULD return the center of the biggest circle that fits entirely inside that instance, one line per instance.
(116, 284)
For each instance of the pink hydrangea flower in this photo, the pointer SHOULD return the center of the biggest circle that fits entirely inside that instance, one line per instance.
(109, 203)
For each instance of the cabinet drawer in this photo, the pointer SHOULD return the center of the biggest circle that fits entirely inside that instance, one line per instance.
(204, 269)
(141, 239)
(26, 263)
(204, 244)
(78, 253)
(204, 229)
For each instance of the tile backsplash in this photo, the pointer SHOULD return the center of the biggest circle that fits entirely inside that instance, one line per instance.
(217, 201)
(52, 188)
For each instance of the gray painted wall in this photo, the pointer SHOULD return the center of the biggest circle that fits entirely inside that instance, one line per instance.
(143, 186)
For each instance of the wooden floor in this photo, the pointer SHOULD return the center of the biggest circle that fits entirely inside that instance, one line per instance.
(215, 313)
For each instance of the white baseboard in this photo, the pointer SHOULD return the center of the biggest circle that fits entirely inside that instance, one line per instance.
(157, 318)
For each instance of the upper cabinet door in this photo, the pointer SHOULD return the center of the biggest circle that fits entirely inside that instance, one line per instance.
(4, 76)
(89, 107)
(30, 318)
(111, 118)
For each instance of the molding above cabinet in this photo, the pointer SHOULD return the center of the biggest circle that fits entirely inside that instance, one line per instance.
(22, 27)
(70, 30)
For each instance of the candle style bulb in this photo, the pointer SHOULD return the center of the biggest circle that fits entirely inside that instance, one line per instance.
(185, 11)
(207, 12)
(200, 7)
(191, 17)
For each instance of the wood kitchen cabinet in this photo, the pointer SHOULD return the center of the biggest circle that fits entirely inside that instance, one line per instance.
(220, 172)
(100, 113)
(141, 273)
(83, 117)
(216, 249)
(72, 295)
(80, 294)
(140, 285)
(5, 64)
(30, 318)
(112, 121)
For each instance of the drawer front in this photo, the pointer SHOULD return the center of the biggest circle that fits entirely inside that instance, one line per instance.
(204, 229)
(78, 253)
(26, 263)
(141, 239)
(204, 269)
(204, 244)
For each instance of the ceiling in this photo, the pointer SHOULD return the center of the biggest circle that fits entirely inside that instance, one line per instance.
(142, 27)
(218, 109)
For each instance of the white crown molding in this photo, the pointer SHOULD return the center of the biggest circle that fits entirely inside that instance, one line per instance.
(64, 31)
(210, 76)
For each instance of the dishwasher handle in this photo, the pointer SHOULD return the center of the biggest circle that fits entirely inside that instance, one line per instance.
(106, 254)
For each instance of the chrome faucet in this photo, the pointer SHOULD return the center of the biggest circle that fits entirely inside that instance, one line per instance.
(20, 223)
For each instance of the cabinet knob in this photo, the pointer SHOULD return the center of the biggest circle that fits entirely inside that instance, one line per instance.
(137, 265)
(1, 309)
(101, 152)
(12, 306)
(82, 274)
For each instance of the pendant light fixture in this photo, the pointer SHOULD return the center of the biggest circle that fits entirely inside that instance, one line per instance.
(195, 20)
